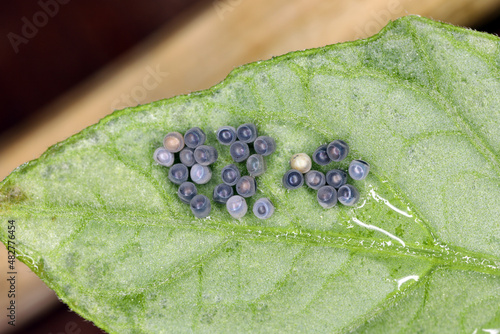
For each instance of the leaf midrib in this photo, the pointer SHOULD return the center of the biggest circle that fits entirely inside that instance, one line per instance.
(439, 254)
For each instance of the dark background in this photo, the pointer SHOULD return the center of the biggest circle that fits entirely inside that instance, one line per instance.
(68, 48)
(80, 39)
(71, 46)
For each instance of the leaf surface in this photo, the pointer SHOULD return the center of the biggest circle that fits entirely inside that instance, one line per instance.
(101, 224)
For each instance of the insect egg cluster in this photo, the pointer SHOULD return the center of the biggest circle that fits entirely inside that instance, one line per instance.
(238, 141)
(333, 186)
(196, 159)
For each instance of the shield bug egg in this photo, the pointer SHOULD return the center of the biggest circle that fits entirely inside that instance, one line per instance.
(205, 155)
(178, 173)
(247, 132)
(256, 165)
(264, 145)
(163, 157)
(173, 142)
(230, 175)
(336, 178)
(315, 179)
(348, 195)
(320, 156)
(337, 150)
(222, 192)
(358, 169)
(236, 206)
(301, 162)
(194, 137)
(239, 151)
(200, 206)
(293, 179)
(246, 186)
(200, 174)
(187, 156)
(187, 191)
(263, 208)
(226, 135)
(327, 197)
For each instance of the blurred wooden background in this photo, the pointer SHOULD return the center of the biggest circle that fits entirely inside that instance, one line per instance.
(194, 51)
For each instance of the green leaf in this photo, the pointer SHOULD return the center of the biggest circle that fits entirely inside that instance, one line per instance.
(99, 222)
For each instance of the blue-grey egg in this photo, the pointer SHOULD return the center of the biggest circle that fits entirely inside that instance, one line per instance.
(348, 195)
(320, 156)
(194, 137)
(236, 206)
(222, 192)
(205, 155)
(226, 135)
(239, 151)
(315, 179)
(246, 186)
(327, 197)
(163, 157)
(200, 174)
(337, 150)
(336, 178)
(293, 179)
(178, 173)
(263, 208)
(359, 169)
(200, 206)
(230, 174)
(187, 156)
(264, 145)
(256, 165)
(187, 191)
(247, 133)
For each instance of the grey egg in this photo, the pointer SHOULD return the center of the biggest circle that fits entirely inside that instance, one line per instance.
(263, 208)
(359, 169)
(187, 156)
(200, 206)
(205, 155)
(336, 178)
(264, 145)
(200, 174)
(187, 191)
(337, 150)
(226, 135)
(247, 133)
(236, 206)
(320, 156)
(194, 137)
(173, 142)
(239, 151)
(327, 197)
(230, 174)
(222, 192)
(246, 186)
(178, 173)
(348, 195)
(163, 157)
(256, 165)
(293, 179)
(315, 179)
